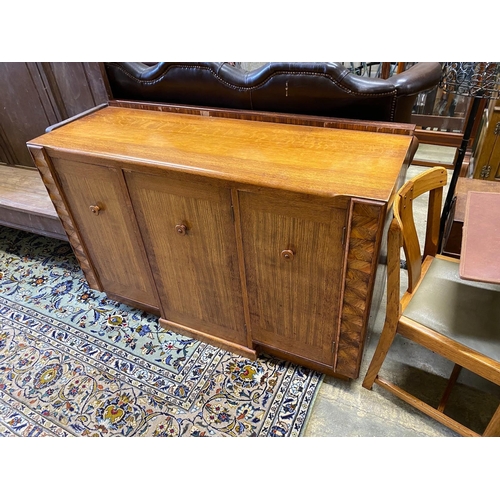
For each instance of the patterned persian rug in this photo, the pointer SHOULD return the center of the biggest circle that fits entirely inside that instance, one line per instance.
(74, 363)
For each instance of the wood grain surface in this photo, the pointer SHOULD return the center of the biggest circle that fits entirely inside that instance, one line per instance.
(99, 206)
(293, 261)
(312, 160)
(196, 267)
(44, 165)
(259, 236)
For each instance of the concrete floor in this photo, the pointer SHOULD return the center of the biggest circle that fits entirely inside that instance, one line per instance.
(345, 408)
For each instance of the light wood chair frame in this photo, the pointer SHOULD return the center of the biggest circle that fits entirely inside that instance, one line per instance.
(402, 233)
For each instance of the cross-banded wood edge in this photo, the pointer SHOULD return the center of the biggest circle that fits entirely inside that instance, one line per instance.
(364, 232)
(42, 162)
(267, 116)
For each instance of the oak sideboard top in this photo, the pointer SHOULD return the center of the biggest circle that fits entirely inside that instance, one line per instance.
(312, 160)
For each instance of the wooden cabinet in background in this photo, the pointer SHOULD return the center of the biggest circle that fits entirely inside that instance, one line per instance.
(34, 96)
(485, 161)
(452, 239)
(253, 236)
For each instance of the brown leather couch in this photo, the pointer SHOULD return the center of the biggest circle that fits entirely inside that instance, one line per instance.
(306, 88)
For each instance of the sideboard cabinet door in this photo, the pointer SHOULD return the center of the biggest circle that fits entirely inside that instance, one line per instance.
(102, 213)
(293, 263)
(189, 233)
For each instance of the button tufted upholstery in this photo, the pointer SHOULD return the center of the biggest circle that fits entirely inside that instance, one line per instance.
(308, 88)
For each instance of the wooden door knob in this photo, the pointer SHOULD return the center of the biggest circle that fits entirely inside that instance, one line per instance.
(95, 209)
(181, 229)
(287, 254)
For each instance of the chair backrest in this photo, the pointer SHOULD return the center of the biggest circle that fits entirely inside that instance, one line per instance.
(431, 181)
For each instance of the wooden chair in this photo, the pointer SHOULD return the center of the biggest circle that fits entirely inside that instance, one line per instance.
(455, 318)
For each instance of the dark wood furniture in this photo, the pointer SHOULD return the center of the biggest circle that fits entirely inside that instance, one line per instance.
(481, 238)
(485, 162)
(452, 242)
(34, 96)
(459, 320)
(250, 235)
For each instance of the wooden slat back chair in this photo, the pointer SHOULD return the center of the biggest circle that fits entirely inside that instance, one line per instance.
(455, 318)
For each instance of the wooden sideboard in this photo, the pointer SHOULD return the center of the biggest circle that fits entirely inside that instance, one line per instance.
(252, 236)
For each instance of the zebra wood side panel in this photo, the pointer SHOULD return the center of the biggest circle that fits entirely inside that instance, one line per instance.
(42, 162)
(363, 242)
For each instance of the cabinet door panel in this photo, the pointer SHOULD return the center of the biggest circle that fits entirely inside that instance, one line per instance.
(189, 233)
(293, 263)
(109, 231)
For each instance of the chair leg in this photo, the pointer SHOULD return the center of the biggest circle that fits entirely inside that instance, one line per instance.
(383, 346)
(493, 429)
(451, 383)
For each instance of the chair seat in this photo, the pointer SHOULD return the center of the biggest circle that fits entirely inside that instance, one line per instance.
(465, 311)
(455, 318)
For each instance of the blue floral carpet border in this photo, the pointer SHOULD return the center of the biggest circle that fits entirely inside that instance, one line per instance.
(74, 363)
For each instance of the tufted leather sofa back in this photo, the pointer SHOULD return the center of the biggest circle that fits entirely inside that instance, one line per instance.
(310, 88)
